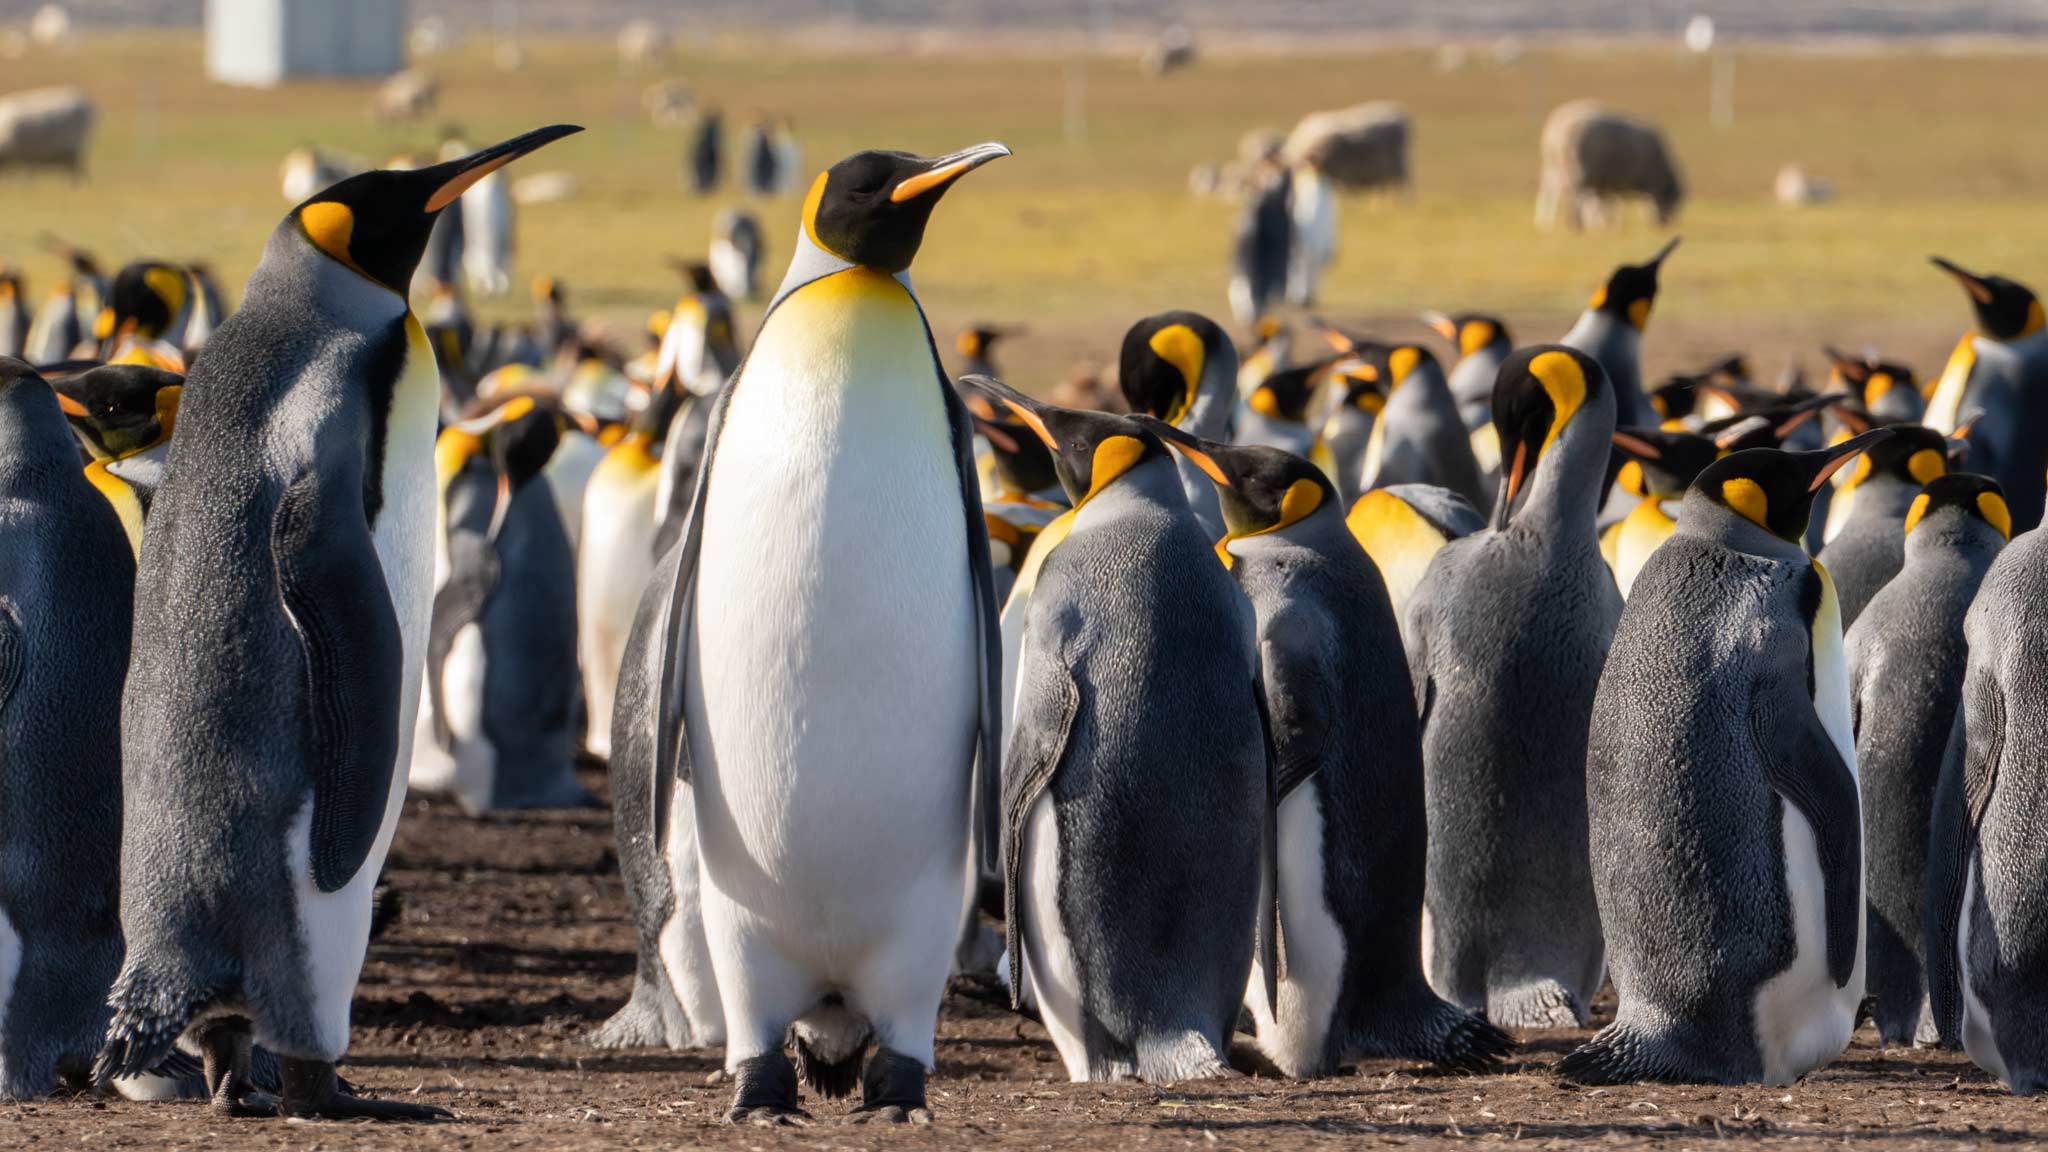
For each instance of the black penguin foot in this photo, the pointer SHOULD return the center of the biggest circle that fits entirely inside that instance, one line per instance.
(225, 1048)
(892, 1090)
(765, 1095)
(313, 1092)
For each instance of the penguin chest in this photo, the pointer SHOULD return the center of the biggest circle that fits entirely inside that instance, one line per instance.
(405, 527)
(1295, 1033)
(834, 655)
(1642, 533)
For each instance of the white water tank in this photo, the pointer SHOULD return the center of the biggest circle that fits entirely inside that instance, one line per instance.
(262, 43)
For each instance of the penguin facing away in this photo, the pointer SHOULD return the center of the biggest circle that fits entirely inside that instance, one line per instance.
(1346, 744)
(1611, 331)
(1181, 367)
(1402, 527)
(1721, 780)
(260, 793)
(1868, 546)
(1506, 636)
(1359, 397)
(1661, 465)
(1138, 789)
(1483, 341)
(1419, 437)
(834, 566)
(66, 590)
(1907, 660)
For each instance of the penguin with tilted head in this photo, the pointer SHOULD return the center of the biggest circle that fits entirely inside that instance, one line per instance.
(1180, 367)
(1277, 413)
(1886, 389)
(1907, 659)
(833, 580)
(1721, 781)
(1610, 330)
(1866, 545)
(496, 729)
(1986, 874)
(66, 585)
(1419, 437)
(1506, 635)
(1138, 789)
(1402, 527)
(1660, 466)
(1345, 744)
(123, 415)
(283, 602)
(1996, 383)
(1483, 342)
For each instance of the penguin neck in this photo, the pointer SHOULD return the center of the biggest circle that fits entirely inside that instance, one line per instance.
(1320, 533)
(810, 262)
(1952, 536)
(1213, 415)
(1565, 493)
(1150, 485)
(1707, 519)
(1617, 345)
(1880, 497)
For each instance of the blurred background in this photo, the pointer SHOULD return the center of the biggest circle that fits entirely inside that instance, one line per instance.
(1826, 149)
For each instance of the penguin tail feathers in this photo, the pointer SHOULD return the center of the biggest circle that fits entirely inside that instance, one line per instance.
(149, 1016)
(1472, 1045)
(830, 1045)
(1623, 1054)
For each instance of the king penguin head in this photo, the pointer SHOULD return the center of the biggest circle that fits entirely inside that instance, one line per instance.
(1090, 450)
(871, 208)
(2006, 309)
(1539, 399)
(1260, 490)
(377, 223)
(1767, 489)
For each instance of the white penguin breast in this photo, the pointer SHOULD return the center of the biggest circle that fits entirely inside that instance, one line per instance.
(10, 966)
(1980, 1040)
(1293, 1037)
(834, 669)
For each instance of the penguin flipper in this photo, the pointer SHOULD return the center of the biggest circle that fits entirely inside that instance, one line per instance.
(1048, 700)
(459, 603)
(988, 761)
(334, 594)
(13, 650)
(1271, 955)
(1804, 766)
(1298, 663)
(1969, 771)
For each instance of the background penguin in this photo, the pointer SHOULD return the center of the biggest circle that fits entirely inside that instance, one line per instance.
(1886, 389)
(1271, 348)
(1660, 467)
(704, 165)
(1138, 789)
(1986, 872)
(2007, 313)
(1610, 330)
(675, 995)
(1348, 750)
(1721, 780)
(123, 415)
(835, 568)
(2002, 375)
(1312, 211)
(1180, 367)
(1402, 527)
(1277, 413)
(14, 317)
(496, 728)
(1483, 341)
(488, 224)
(614, 559)
(737, 250)
(66, 591)
(149, 301)
(976, 346)
(1024, 497)
(209, 307)
(1906, 663)
(1360, 396)
(1868, 544)
(312, 562)
(758, 164)
(1419, 437)
(699, 353)
(1506, 635)
(553, 326)
(58, 327)
(1264, 244)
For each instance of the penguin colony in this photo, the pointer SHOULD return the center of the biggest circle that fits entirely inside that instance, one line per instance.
(1371, 706)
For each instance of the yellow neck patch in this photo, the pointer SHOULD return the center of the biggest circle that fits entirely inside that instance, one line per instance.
(1747, 498)
(1996, 514)
(1301, 499)
(1476, 334)
(2035, 318)
(167, 407)
(1565, 382)
(1926, 464)
(1264, 402)
(1178, 345)
(1630, 478)
(127, 506)
(452, 451)
(1113, 457)
(1599, 298)
(1877, 387)
(1639, 314)
(1400, 362)
(810, 211)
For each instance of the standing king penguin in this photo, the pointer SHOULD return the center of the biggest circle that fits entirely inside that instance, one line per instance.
(1348, 750)
(1181, 368)
(1907, 660)
(1721, 781)
(1867, 543)
(1610, 330)
(1506, 635)
(1994, 392)
(1987, 878)
(284, 595)
(1138, 789)
(834, 579)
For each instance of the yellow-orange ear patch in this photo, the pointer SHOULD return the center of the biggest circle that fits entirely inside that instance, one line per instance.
(1565, 382)
(1747, 498)
(1996, 514)
(169, 286)
(1639, 313)
(1400, 362)
(1926, 465)
(1113, 457)
(1178, 345)
(810, 210)
(1264, 402)
(1477, 334)
(1918, 510)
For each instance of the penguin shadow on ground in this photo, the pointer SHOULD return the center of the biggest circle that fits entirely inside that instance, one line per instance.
(423, 1010)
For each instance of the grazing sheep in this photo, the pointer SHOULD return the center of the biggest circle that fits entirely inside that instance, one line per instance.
(1174, 50)
(1361, 148)
(45, 128)
(1593, 155)
(408, 95)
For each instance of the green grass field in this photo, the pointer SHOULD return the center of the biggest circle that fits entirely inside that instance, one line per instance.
(1073, 238)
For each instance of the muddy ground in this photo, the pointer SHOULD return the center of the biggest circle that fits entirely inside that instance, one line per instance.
(514, 944)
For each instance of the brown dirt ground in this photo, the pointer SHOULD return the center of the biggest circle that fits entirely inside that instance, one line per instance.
(514, 943)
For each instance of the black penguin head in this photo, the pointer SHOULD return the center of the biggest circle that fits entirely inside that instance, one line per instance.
(1364, 382)
(1631, 291)
(976, 342)
(1024, 464)
(1870, 379)
(1768, 427)
(1164, 357)
(516, 436)
(2006, 309)
(1284, 396)
(1470, 331)
(1090, 450)
(1913, 455)
(1774, 489)
(142, 301)
(871, 208)
(695, 273)
(377, 223)
(1979, 497)
(118, 409)
(1661, 464)
(32, 419)
(1540, 390)
(1259, 489)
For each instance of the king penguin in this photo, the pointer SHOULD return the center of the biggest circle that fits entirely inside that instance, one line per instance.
(1885, 388)
(1358, 395)
(14, 317)
(2007, 313)
(1483, 341)
(1907, 660)
(1721, 782)
(1986, 873)
(1138, 790)
(283, 601)
(834, 579)
(1506, 635)
(1997, 384)
(1661, 465)
(1865, 545)
(1180, 367)
(615, 558)
(149, 302)
(1348, 755)
(1419, 437)
(1402, 528)
(124, 415)
(1610, 330)
(66, 587)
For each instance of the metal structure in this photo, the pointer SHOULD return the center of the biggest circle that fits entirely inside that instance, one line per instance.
(262, 43)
